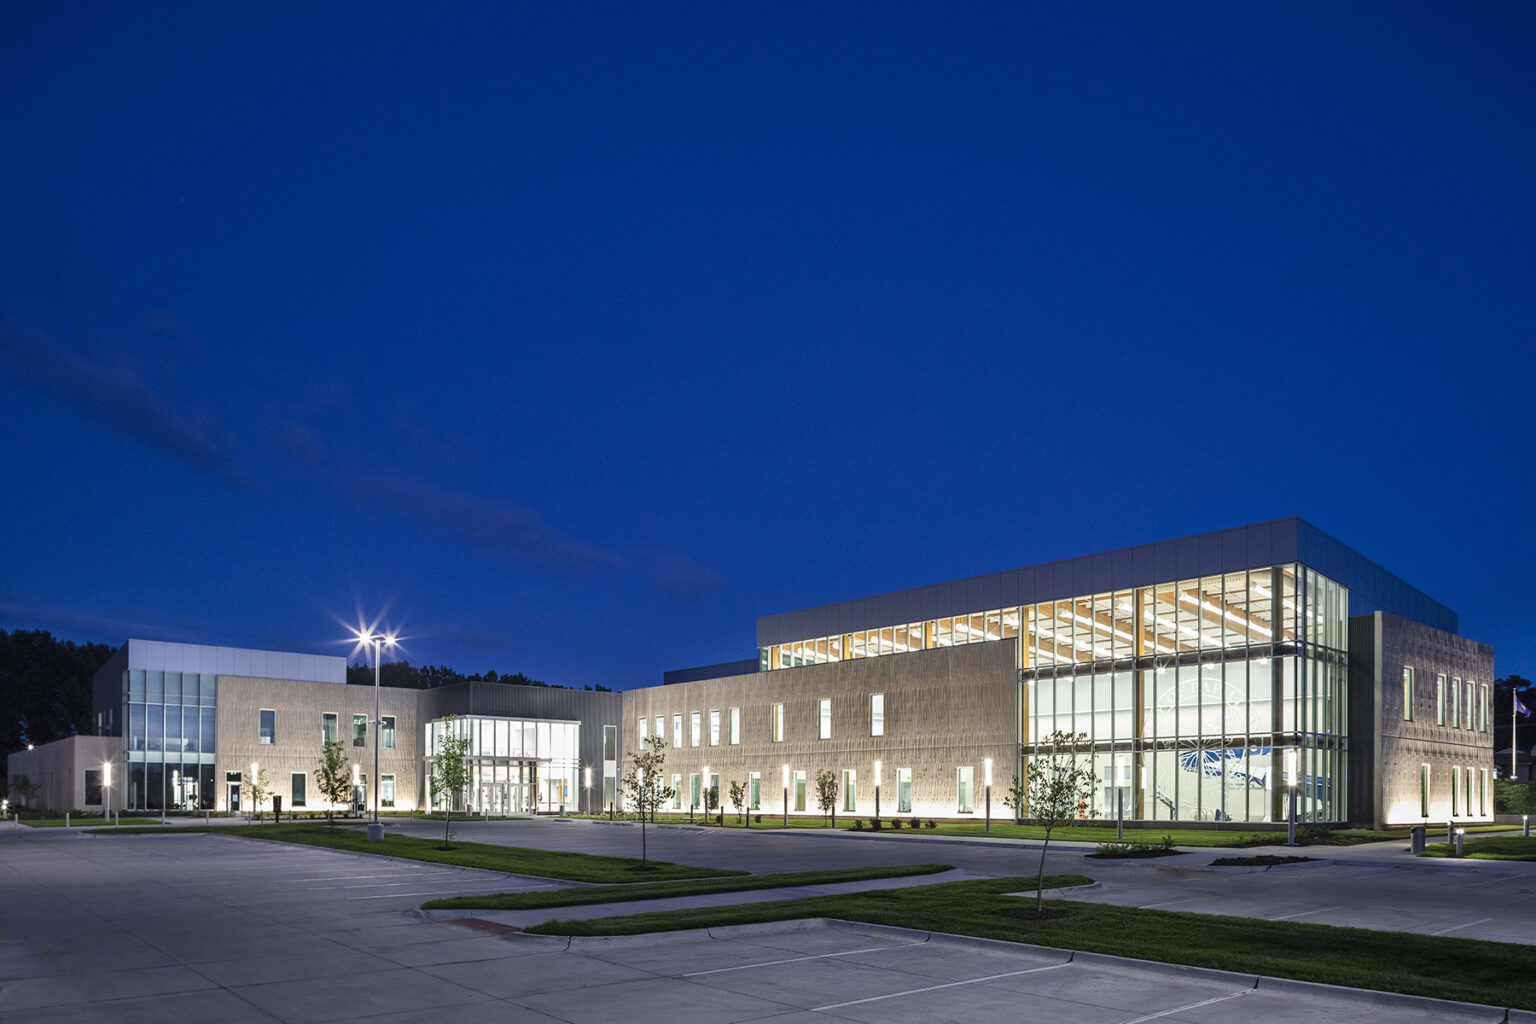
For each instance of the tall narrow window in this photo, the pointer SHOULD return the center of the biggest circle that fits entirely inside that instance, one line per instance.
(799, 791)
(359, 730)
(695, 793)
(1455, 791)
(386, 791)
(610, 743)
(1456, 721)
(677, 792)
(1483, 708)
(298, 790)
(714, 728)
(1407, 694)
(1471, 715)
(754, 791)
(387, 727)
(268, 727)
(1424, 791)
(850, 790)
(877, 714)
(965, 789)
(1482, 791)
(904, 790)
(640, 732)
(1439, 700)
(735, 726)
(824, 718)
(677, 731)
(328, 728)
(694, 720)
(778, 723)
(1470, 789)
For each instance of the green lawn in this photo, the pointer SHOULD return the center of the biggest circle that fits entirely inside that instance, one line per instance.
(574, 867)
(75, 820)
(664, 890)
(1488, 848)
(1445, 968)
(1181, 836)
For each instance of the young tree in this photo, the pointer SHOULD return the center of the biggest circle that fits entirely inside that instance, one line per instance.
(256, 790)
(1016, 796)
(644, 783)
(1061, 780)
(739, 801)
(24, 789)
(826, 793)
(334, 777)
(450, 769)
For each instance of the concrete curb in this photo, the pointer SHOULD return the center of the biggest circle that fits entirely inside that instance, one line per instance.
(1371, 997)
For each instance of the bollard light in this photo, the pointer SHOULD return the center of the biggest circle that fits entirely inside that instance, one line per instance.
(986, 774)
(786, 796)
(1291, 757)
(1122, 779)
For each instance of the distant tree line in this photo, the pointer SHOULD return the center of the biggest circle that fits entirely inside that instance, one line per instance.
(427, 677)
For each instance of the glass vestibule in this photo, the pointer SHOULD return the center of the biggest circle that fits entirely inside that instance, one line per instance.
(169, 741)
(516, 766)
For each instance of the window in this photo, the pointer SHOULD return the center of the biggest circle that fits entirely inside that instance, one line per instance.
(850, 790)
(799, 791)
(1482, 791)
(825, 728)
(328, 728)
(694, 731)
(610, 743)
(754, 791)
(1471, 777)
(297, 789)
(965, 789)
(92, 787)
(388, 727)
(695, 793)
(714, 728)
(877, 714)
(1471, 705)
(386, 791)
(1455, 703)
(1439, 700)
(608, 792)
(677, 792)
(359, 730)
(778, 723)
(640, 732)
(1483, 707)
(268, 726)
(1407, 694)
(735, 726)
(1455, 791)
(677, 730)
(904, 790)
(1423, 790)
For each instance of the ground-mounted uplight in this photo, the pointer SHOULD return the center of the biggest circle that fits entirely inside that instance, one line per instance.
(877, 794)
(986, 772)
(1122, 780)
(786, 796)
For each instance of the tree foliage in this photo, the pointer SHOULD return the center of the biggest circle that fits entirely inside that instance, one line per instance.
(739, 801)
(826, 792)
(645, 784)
(256, 789)
(404, 675)
(450, 769)
(334, 777)
(45, 688)
(1061, 778)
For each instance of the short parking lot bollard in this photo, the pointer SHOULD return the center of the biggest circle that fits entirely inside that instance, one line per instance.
(1461, 835)
(1417, 832)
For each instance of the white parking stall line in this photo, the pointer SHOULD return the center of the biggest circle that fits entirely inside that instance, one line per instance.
(935, 988)
(1459, 927)
(797, 959)
(1191, 1006)
(1305, 913)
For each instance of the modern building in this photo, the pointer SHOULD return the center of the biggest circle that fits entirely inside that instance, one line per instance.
(1210, 675)
(1197, 668)
(183, 726)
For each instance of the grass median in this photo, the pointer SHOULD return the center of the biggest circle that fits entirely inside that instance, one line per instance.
(574, 867)
(1487, 848)
(667, 890)
(1202, 837)
(1444, 968)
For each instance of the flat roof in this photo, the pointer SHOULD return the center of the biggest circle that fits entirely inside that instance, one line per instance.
(1254, 546)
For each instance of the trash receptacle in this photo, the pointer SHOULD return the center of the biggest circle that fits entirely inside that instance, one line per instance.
(1418, 838)
(375, 832)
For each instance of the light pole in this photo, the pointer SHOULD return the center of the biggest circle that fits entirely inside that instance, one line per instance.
(877, 794)
(106, 790)
(376, 641)
(786, 796)
(986, 766)
(1290, 783)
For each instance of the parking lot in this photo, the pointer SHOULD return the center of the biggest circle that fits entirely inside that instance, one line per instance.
(214, 928)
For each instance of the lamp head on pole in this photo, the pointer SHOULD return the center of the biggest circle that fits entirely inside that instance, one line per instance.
(877, 773)
(1291, 758)
(106, 773)
(987, 771)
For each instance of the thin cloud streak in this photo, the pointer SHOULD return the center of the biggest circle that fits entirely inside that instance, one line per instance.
(117, 399)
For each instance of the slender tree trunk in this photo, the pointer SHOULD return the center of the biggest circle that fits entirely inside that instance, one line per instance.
(1040, 877)
(447, 813)
(642, 830)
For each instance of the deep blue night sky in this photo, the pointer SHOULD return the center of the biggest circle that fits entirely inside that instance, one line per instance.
(578, 336)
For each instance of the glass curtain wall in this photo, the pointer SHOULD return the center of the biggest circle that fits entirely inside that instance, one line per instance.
(1201, 684)
(516, 766)
(169, 741)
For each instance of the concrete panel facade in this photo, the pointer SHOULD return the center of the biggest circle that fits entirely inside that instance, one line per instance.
(1387, 759)
(944, 709)
(298, 740)
(58, 770)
